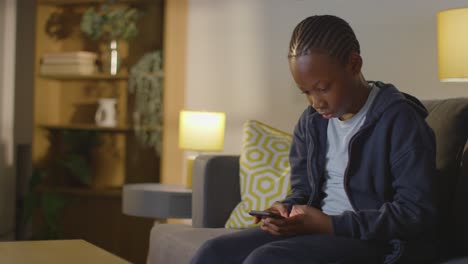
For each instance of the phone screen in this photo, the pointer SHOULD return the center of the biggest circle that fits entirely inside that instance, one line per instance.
(265, 214)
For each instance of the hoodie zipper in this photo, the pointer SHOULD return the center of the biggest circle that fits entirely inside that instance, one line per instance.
(309, 173)
(345, 176)
(351, 141)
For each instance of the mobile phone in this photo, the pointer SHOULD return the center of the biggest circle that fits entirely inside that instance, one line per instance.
(263, 214)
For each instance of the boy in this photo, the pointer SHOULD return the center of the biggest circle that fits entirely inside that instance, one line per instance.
(362, 167)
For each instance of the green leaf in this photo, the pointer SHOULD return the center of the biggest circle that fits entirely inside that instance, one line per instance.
(78, 167)
(36, 178)
(110, 22)
(52, 205)
(31, 202)
(81, 141)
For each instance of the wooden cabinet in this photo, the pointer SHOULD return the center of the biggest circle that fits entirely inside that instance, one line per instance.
(70, 101)
(96, 216)
(67, 104)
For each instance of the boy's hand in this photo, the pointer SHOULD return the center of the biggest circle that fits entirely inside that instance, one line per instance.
(303, 219)
(276, 207)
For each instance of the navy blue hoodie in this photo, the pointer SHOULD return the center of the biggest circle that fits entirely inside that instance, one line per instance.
(390, 174)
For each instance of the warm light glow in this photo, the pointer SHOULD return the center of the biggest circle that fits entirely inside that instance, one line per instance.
(201, 131)
(452, 42)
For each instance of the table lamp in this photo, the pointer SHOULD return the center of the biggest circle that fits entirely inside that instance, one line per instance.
(452, 41)
(200, 131)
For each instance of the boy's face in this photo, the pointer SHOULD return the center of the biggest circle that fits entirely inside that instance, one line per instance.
(330, 87)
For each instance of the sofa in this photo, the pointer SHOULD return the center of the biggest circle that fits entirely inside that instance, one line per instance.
(216, 192)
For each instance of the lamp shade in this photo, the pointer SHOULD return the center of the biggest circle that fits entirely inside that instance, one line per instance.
(201, 131)
(452, 40)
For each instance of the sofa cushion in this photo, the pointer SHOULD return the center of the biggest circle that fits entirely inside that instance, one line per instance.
(175, 243)
(264, 171)
(448, 118)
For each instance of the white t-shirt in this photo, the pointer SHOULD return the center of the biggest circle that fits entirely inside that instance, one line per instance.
(339, 134)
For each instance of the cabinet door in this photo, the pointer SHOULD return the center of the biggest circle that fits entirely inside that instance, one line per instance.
(99, 220)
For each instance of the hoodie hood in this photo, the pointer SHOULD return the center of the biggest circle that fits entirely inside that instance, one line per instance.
(388, 97)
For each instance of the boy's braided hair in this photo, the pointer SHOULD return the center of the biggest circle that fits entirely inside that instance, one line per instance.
(324, 33)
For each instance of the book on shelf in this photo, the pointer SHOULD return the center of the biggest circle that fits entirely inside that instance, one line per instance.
(65, 60)
(71, 54)
(77, 57)
(68, 69)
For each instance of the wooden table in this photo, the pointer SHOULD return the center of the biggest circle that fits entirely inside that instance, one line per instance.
(55, 251)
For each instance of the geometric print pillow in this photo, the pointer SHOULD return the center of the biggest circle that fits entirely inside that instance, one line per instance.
(264, 171)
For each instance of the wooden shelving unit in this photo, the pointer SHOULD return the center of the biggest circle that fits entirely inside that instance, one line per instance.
(84, 192)
(63, 77)
(88, 127)
(67, 103)
(93, 2)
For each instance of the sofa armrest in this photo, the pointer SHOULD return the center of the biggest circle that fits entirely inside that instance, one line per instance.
(216, 189)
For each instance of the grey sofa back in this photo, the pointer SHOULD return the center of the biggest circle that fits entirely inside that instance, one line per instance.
(216, 188)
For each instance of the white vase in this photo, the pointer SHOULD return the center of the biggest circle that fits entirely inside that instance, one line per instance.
(111, 58)
(106, 114)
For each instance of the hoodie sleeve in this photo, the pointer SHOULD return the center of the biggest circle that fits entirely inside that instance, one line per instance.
(412, 210)
(300, 187)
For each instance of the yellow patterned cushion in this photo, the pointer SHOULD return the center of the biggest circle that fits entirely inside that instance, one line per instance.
(264, 171)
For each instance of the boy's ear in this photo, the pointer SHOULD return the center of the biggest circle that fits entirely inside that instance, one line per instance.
(355, 63)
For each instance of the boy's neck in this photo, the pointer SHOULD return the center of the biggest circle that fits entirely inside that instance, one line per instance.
(363, 92)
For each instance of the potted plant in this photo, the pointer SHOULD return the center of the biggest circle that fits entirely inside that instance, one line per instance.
(110, 24)
(145, 83)
(69, 166)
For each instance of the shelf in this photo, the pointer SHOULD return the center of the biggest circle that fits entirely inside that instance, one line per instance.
(63, 120)
(89, 192)
(118, 129)
(99, 76)
(87, 2)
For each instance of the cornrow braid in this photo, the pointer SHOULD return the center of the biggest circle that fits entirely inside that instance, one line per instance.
(325, 33)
